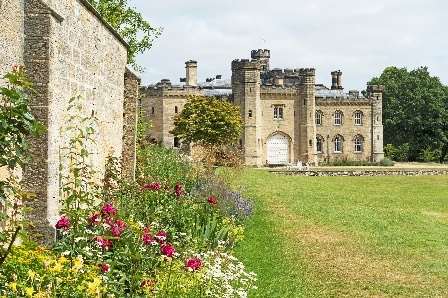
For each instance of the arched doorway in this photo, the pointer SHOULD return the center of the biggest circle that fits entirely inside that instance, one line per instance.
(278, 149)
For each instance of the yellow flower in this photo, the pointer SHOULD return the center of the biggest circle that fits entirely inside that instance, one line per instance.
(57, 267)
(62, 260)
(13, 286)
(29, 291)
(78, 263)
(93, 288)
(31, 274)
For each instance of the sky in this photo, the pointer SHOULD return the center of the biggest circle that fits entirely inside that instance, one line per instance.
(359, 37)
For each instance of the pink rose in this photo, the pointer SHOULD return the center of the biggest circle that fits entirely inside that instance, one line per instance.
(63, 223)
(118, 228)
(152, 186)
(167, 250)
(103, 243)
(95, 218)
(109, 209)
(178, 190)
(193, 264)
(161, 236)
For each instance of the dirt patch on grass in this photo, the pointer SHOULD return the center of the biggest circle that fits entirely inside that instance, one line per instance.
(346, 262)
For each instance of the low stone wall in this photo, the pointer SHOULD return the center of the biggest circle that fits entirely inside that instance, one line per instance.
(365, 172)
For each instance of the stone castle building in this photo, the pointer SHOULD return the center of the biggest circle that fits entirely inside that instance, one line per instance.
(68, 50)
(287, 116)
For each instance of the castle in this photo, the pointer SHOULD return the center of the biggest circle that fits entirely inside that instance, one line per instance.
(287, 116)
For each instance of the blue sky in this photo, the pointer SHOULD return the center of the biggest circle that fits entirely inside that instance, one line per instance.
(359, 37)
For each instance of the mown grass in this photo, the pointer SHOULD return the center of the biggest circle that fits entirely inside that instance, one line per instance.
(347, 236)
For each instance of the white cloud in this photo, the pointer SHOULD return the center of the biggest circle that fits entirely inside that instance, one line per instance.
(359, 37)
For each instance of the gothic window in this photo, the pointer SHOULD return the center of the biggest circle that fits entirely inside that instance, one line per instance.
(176, 142)
(338, 118)
(338, 143)
(278, 112)
(358, 118)
(319, 117)
(176, 109)
(319, 144)
(359, 142)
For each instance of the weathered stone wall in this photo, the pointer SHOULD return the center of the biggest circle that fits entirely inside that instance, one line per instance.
(364, 172)
(131, 94)
(348, 130)
(11, 35)
(88, 61)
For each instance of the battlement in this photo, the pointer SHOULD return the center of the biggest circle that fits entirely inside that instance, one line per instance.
(375, 88)
(247, 64)
(191, 63)
(260, 53)
(308, 72)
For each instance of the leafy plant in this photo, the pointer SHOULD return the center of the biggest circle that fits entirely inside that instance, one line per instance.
(17, 125)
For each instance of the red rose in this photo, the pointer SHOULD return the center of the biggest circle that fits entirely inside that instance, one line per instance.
(95, 219)
(212, 200)
(167, 250)
(152, 186)
(178, 190)
(193, 264)
(105, 268)
(63, 223)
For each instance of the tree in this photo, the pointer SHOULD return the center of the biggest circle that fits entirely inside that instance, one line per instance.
(130, 24)
(208, 121)
(415, 111)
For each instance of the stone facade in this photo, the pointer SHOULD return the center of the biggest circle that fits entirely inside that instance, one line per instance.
(287, 116)
(69, 51)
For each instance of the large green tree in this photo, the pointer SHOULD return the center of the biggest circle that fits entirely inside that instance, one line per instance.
(415, 110)
(208, 121)
(130, 24)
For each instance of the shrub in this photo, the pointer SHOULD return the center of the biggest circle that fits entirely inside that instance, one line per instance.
(386, 162)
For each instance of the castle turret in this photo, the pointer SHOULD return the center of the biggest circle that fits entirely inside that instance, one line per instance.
(246, 92)
(263, 56)
(191, 71)
(305, 107)
(375, 93)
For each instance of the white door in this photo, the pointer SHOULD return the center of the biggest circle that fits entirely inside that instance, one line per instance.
(278, 149)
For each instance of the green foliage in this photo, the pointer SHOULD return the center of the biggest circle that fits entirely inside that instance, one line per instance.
(415, 111)
(17, 124)
(208, 121)
(130, 24)
(386, 162)
(400, 153)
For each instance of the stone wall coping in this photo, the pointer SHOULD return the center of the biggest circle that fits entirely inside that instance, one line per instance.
(104, 22)
(363, 171)
(132, 73)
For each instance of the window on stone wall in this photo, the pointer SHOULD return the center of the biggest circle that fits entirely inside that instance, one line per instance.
(338, 118)
(278, 112)
(358, 141)
(250, 114)
(318, 117)
(338, 142)
(176, 142)
(152, 110)
(358, 118)
(319, 144)
(176, 109)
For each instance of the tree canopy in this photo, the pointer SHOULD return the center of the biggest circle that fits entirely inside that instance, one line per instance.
(208, 121)
(130, 24)
(415, 111)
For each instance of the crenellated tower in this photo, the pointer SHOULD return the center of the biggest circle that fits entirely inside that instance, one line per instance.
(375, 93)
(305, 125)
(263, 56)
(246, 92)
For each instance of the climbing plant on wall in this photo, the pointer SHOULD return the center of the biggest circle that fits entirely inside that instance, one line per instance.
(130, 24)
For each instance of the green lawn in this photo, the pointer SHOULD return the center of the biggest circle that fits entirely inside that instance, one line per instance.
(347, 236)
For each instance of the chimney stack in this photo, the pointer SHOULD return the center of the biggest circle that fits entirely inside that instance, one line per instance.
(191, 68)
(336, 80)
